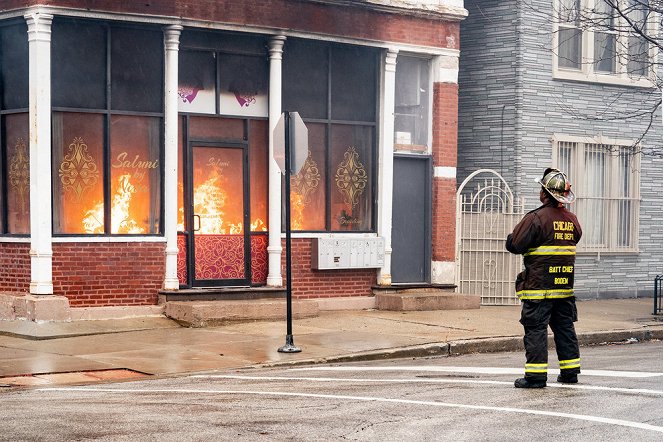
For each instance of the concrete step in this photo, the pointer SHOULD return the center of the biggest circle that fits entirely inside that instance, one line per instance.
(219, 312)
(422, 298)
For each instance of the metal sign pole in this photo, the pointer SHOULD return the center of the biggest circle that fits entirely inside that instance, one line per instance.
(289, 346)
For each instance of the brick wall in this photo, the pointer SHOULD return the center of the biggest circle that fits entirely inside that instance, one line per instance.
(445, 154)
(308, 283)
(105, 274)
(445, 124)
(15, 267)
(306, 16)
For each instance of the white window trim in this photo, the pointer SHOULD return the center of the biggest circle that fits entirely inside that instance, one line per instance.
(578, 166)
(587, 72)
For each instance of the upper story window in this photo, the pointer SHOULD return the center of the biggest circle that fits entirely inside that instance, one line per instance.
(606, 181)
(107, 84)
(603, 41)
(412, 104)
(14, 134)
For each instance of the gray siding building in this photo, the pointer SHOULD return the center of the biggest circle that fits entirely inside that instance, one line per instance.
(539, 89)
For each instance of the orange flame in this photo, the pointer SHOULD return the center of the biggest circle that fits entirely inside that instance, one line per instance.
(93, 222)
(208, 202)
(297, 211)
(258, 225)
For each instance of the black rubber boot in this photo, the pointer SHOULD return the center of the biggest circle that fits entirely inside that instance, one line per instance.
(567, 378)
(529, 383)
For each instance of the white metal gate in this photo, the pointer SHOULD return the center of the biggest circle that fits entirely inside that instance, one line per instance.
(486, 213)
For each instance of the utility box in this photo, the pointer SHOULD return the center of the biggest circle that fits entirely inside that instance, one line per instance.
(347, 253)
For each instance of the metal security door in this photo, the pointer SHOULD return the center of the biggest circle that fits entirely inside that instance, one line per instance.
(486, 213)
(411, 220)
(219, 214)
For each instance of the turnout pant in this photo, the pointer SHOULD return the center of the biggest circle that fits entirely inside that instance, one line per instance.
(560, 314)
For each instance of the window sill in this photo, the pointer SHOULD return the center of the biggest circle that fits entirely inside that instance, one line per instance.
(608, 79)
(599, 253)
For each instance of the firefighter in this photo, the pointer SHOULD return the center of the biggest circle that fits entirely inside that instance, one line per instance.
(547, 238)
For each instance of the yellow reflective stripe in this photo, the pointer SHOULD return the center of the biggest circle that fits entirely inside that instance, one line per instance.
(545, 294)
(571, 363)
(536, 368)
(552, 250)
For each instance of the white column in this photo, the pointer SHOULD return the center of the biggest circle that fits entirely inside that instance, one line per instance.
(172, 43)
(41, 252)
(386, 163)
(274, 277)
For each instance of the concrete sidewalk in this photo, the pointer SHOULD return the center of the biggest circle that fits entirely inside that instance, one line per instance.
(85, 351)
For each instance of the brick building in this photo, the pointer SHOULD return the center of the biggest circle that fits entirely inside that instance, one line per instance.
(137, 147)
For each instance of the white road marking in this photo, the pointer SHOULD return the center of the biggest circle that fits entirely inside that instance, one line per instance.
(483, 370)
(604, 420)
(426, 381)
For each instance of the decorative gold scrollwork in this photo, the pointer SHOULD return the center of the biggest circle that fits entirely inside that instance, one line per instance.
(78, 171)
(19, 173)
(307, 180)
(351, 177)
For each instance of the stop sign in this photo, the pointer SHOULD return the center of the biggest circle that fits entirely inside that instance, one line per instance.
(298, 142)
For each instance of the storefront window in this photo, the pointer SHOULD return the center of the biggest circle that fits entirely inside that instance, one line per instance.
(258, 147)
(306, 78)
(17, 171)
(307, 188)
(14, 67)
(14, 135)
(136, 70)
(107, 164)
(78, 183)
(197, 82)
(353, 84)
(351, 186)
(243, 84)
(135, 178)
(334, 190)
(79, 73)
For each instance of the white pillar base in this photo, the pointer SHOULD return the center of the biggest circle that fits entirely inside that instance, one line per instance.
(443, 272)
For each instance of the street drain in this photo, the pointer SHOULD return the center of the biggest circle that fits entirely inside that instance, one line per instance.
(75, 377)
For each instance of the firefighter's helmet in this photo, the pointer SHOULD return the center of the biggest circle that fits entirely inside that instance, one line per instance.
(557, 184)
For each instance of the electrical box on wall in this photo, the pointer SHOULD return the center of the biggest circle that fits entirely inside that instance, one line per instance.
(347, 253)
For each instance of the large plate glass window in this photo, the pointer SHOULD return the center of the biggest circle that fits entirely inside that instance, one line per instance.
(197, 82)
(14, 135)
(106, 160)
(243, 85)
(334, 88)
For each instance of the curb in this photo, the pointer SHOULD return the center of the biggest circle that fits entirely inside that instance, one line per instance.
(479, 345)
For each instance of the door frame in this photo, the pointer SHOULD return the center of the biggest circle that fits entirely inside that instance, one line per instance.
(189, 215)
(428, 214)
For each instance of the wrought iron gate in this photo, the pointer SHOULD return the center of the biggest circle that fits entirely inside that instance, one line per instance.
(486, 213)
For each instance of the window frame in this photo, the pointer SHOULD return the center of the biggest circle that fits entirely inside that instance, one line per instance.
(609, 201)
(329, 123)
(588, 71)
(4, 112)
(108, 113)
(425, 63)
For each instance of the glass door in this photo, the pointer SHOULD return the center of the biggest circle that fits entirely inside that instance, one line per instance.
(218, 215)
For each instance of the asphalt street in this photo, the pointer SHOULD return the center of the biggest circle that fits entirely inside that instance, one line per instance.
(464, 398)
